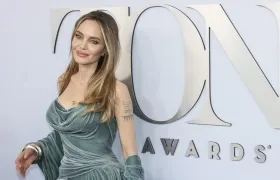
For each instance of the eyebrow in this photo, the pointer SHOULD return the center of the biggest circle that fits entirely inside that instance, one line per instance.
(92, 37)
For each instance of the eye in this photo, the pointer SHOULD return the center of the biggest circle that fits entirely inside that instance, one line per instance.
(78, 36)
(94, 42)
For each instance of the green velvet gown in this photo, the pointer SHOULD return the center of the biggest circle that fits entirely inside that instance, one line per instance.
(80, 148)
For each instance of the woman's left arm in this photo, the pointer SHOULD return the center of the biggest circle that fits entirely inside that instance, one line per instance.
(124, 117)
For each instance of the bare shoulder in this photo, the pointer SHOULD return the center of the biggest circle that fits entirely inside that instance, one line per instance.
(61, 77)
(60, 81)
(122, 91)
(120, 86)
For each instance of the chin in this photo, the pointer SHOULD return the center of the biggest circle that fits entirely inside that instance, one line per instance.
(82, 61)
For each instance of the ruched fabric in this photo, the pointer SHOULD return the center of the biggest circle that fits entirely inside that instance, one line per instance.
(80, 148)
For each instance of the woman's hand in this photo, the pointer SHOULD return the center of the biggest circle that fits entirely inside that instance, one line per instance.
(24, 160)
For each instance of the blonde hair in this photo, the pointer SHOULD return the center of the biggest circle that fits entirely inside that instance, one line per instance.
(100, 96)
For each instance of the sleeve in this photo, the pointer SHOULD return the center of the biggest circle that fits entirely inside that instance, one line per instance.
(52, 154)
(133, 168)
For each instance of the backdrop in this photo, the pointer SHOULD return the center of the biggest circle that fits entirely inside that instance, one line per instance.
(205, 82)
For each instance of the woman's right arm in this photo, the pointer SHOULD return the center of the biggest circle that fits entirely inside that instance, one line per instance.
(48, 162)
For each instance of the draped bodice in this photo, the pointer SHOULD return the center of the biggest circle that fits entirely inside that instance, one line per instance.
(85, 140)
(84, 130)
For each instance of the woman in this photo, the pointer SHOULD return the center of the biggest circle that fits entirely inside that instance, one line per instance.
(91, 107)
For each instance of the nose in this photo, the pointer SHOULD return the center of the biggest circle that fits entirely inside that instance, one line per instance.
(84, 44)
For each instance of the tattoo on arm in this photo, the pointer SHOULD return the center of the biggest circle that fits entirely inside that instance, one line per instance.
(127, 107)
(127, 118)
(128, 110)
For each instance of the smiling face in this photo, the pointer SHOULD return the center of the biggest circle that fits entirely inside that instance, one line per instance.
(88, 43)
(95, 34)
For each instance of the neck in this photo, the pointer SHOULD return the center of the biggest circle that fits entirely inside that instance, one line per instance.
(85, 72)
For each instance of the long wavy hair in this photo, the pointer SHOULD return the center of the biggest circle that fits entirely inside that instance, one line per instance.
(100, 95)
